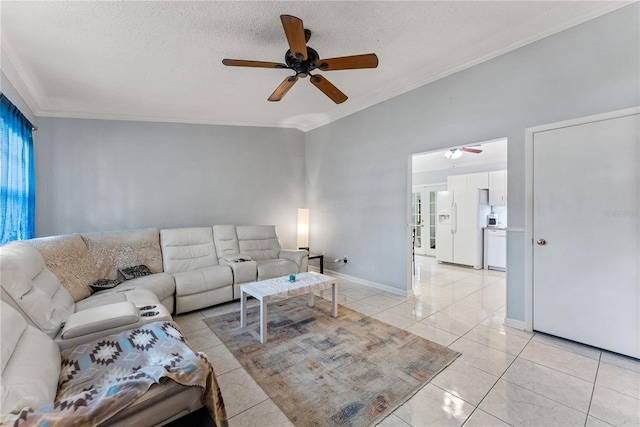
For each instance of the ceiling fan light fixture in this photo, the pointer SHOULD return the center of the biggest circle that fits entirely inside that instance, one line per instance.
(303, 59)
(453, 154)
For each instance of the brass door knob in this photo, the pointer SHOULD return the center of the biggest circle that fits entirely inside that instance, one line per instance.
(542, 242)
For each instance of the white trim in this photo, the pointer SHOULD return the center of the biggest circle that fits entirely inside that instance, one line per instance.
(516, 324)
(408, 263)
(516, 229)
(528, 230)
(365, 282)
(162, 119)
(17, 78)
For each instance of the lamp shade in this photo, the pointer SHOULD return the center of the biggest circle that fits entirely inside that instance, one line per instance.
(303, 228)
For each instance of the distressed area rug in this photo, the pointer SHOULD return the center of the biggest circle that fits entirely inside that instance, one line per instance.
(324, 371)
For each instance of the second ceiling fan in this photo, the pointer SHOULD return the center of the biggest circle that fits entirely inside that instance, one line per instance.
(454, 153)
(302, 59)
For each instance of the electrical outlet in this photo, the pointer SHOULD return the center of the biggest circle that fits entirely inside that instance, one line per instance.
(346, 259)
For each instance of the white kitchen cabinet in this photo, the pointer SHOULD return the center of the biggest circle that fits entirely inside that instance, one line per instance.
(457, 183)
(495, 249)
(466, 182)
(498, 188)
(478, 181)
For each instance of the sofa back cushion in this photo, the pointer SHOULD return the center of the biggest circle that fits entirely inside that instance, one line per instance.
(80, 259)
(30, 364)
(113, 250)
(68, 257)
(226, 240)
(258, 241)
(33, 288)
(188, 248)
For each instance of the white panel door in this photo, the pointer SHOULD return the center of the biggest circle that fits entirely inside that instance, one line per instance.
(419, 212)
(586, 229)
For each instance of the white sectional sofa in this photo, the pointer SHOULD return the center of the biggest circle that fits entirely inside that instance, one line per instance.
(209, 263)
(31, 366)
(78, 260)
(31, 288)
(189, 255)
(261, 243)
(45, 286)
(193, 268)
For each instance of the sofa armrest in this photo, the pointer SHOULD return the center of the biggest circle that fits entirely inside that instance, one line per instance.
(235, 258)
(295, 255)
(243, 271)
(101, 318)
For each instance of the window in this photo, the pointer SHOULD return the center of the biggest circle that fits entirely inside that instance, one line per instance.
(17, 186)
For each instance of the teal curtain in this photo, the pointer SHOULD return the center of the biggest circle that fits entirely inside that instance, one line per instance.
(17, 181)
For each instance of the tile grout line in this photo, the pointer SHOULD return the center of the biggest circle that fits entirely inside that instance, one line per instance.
(556, 370)
(251, 407)
(499, 378)
(475, 408)
(593, 390)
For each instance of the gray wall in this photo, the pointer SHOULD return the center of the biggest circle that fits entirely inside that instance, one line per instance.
(357, 167)
(102, 175)
(113, 175)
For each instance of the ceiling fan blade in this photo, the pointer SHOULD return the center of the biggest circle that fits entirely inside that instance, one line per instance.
(284, 87)
(294, 30)
(471, 150)
(258, 64)
(353, 62)
(330, 90)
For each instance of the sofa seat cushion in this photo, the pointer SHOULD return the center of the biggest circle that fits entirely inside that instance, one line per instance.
(270, 268)
(31, 364)
(203, 279)
(243, 272)
(161, 284)
(140, 297)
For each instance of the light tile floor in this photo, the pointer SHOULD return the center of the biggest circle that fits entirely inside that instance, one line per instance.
(504, 377)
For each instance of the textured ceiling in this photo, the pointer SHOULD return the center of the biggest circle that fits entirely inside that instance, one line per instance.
(161, 61)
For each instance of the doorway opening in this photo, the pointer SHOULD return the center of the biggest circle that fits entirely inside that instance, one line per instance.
(458, 168)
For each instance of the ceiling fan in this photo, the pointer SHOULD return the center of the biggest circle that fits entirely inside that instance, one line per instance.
(454, 153)
(302, 59)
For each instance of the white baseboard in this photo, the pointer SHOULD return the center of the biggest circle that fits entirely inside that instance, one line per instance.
(516, 324)
(364, 282)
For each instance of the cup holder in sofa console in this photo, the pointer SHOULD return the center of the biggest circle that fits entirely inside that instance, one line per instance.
(147, 307)
(149, 313)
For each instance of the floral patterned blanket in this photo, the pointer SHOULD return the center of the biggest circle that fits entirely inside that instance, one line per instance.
(101, 378)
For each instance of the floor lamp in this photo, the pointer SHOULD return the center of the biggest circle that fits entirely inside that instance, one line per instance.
(303, 228)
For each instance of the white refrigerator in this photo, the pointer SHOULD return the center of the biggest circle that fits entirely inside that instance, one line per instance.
(461, 218)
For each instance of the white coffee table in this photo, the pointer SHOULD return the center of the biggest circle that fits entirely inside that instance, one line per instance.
(281, 288)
